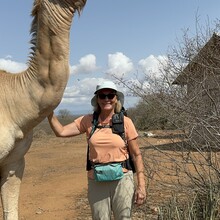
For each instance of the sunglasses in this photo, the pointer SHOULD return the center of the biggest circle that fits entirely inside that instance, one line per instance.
(104, 96)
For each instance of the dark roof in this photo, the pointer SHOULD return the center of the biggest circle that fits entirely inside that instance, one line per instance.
(209, 52)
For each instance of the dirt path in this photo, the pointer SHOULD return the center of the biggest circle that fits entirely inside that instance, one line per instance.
(54, 185)
(54, 177)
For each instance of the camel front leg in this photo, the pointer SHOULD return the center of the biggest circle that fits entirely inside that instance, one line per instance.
(11, 176)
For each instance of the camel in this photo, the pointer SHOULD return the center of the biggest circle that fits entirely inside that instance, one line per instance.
(29, 96)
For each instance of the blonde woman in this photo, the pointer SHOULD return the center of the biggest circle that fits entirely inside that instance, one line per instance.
(110, 180)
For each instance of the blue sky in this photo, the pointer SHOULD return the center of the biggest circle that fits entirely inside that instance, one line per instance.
(110, 37)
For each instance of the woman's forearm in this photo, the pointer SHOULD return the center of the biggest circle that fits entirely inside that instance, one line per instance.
(68, 130)
(140, 170)
(56, 126)
(140, 193)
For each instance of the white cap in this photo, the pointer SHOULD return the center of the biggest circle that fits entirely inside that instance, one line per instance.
(108, 85)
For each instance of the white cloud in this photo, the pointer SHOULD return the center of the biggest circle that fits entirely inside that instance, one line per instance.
(119, 65)
(150, 65)
(80, 93)
(87, 64)
(11, 66)
(77, 97)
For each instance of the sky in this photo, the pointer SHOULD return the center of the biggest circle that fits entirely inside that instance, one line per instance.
(110, 37)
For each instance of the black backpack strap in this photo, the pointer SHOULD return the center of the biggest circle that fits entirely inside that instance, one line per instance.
(94, 126)
(129, 163)
(94, 123)
(118, 123)
(117, 128)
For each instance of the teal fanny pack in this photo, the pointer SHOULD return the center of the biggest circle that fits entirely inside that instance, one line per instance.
(108, 172)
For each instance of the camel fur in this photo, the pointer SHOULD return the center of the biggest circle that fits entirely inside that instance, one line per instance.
(29, 96)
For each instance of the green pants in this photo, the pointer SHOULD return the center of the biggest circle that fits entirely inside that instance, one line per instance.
(111, 197)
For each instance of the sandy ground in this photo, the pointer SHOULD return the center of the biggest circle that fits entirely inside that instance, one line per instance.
(54, 178)
(54, 185)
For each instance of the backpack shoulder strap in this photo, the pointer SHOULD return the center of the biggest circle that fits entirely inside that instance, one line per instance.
(94, 123)
(94, 126)
(117, 128)
(121, 132)
(118, 124)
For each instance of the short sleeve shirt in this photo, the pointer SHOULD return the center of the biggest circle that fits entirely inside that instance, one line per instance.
(104, 145)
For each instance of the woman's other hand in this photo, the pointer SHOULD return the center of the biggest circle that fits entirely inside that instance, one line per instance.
(140, 196)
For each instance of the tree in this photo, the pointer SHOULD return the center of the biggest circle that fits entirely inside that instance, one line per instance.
(64, 113)
(193, 164)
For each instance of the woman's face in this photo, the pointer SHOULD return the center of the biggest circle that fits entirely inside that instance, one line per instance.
(107, 99)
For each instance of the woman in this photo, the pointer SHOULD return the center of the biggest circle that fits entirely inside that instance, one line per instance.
(108, 150)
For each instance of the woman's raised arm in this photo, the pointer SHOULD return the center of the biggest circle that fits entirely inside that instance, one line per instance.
(60, 130)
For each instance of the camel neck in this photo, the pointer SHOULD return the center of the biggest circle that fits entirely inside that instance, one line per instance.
(42, 84)
(50, 30)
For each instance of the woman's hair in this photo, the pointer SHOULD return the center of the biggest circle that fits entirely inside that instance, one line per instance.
(118, 106)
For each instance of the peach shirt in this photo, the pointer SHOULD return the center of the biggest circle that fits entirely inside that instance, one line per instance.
(104, 145)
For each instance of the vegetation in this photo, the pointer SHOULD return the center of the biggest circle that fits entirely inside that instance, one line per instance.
(183, 176)
(190, 172)
(43, 129)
